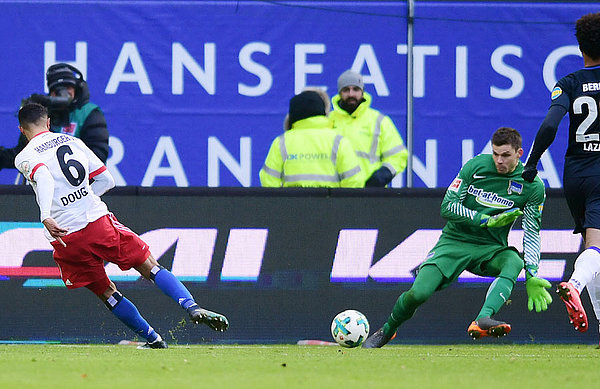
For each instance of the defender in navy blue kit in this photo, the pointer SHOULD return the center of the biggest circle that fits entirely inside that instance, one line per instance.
(579, 95)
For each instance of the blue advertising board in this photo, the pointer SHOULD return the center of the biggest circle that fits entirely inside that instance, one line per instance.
(195, 91)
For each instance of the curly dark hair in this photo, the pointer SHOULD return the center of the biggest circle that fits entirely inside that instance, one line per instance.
(587, 31)
(507, 136)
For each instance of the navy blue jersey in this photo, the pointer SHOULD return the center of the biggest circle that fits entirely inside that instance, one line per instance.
(579, 94)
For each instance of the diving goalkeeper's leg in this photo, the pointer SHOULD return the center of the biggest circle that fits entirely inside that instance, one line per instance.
(172, 287)
(426, 282)
(484, 325)
(506, 265)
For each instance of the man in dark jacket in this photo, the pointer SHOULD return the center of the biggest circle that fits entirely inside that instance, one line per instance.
(70, 112)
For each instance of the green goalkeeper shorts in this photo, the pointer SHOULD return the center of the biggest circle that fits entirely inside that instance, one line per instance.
(452, 257)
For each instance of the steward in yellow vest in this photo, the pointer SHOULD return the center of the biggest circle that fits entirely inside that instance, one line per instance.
(310, 153)
(373, 135)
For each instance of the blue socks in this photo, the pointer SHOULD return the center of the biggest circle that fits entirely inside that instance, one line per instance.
(125, 311)
(172, 287)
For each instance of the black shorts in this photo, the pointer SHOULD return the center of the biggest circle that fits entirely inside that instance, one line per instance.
(583, 199)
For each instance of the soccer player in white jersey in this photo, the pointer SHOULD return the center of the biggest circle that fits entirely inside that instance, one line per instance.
(84, 233)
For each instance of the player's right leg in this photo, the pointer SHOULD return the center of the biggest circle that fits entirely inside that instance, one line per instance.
(134, 252)
(172, 287)
(125, 311)
(587, 268)
(587, 264)
(570, 296)
(486, 326)
(505, 265)
(427, 281)
(583, 198)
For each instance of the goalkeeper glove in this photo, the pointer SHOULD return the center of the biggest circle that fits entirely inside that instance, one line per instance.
(537, 295)
(500, 220)
(529, 173)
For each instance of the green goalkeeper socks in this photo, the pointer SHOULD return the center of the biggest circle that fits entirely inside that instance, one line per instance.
(497, 295)
(399, 315)
(427, 281)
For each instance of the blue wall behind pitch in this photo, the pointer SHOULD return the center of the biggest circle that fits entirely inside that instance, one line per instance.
(194, 92)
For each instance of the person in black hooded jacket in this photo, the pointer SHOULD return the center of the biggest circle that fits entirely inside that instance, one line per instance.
(71, 112)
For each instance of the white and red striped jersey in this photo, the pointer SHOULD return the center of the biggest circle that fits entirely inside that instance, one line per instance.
(71, 165)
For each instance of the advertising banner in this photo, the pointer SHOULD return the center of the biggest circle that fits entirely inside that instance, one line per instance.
(194, 92)
(279, 263)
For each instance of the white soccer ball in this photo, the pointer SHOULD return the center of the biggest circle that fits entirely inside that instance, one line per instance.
(350, 328)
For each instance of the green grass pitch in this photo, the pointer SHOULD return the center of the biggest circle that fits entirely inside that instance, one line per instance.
(291, 366)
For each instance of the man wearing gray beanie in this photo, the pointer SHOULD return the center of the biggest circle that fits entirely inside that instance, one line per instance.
(373, 135)
(309, 153)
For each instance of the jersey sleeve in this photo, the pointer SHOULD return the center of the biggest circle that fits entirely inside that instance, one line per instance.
(103, 182)
(27, 165)
(549, 127)
(272, 170)
(348, 166)
(559, 96)
(394, 155)
(531, 224)
(41, 180)
(44, 183)
(452, 204)
(546, 134)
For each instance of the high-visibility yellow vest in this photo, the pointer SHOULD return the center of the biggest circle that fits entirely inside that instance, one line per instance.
(311, 154)
(373, 135)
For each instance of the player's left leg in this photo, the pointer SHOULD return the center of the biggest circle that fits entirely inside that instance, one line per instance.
(172, 287)
(426, 283)
(506, 266)
(126, 312)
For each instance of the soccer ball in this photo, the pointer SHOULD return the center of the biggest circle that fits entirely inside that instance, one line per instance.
(350, 328)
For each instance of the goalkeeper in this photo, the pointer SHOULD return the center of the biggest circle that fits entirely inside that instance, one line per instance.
(481, 205)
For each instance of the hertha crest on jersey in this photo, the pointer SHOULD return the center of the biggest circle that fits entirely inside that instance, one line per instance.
(455, 186)
(514, 187)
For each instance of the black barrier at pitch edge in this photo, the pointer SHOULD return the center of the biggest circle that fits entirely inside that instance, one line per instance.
(293, 297)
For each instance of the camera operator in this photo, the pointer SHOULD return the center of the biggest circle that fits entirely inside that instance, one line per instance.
(70, 113)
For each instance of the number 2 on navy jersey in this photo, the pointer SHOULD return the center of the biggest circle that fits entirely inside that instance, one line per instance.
(69, 165)
(580, 135)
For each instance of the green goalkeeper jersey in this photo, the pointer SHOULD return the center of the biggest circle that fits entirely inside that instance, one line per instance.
(479, 189)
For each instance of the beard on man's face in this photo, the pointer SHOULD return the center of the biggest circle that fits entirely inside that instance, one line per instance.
(350, 103)
(351, 100)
